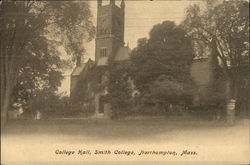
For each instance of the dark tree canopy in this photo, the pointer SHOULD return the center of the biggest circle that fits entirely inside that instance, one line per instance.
(31, 33)
(167, 51)
(119, 88)
(224, 28)
(162, 62)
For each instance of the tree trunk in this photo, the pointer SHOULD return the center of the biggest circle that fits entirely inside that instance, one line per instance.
(6, 105)
(10, 50)
(231, 102)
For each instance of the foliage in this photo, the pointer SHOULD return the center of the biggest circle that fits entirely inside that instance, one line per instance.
(82, 99)
(97, 78)
(119, 88)
(223, 27)
(168, 90)
(31, 32)
(49, 104)
(161, 64)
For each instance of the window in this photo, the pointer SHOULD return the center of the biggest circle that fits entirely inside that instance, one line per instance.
(103, 52)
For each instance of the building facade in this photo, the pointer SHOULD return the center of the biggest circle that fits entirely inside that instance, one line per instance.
(109, 44)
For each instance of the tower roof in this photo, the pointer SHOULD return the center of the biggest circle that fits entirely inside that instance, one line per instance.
(123, 54)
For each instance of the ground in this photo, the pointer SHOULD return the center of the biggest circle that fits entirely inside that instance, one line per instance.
(36, 142)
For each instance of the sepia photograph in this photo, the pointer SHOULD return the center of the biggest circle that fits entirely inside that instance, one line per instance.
(124, 82)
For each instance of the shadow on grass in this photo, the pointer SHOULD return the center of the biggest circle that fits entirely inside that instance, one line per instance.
(101, 129)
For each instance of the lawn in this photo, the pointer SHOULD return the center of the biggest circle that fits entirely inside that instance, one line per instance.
(37, 141)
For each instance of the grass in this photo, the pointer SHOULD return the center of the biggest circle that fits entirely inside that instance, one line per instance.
(106, 130)
(212, 139)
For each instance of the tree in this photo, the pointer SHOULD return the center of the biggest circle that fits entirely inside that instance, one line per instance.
(119, 88)
(166, 90)
(224, 28)
(161, 63)
(82, 97)
(48, 104)
(30, 34)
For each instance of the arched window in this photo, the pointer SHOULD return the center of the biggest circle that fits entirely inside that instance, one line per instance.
(103, 52)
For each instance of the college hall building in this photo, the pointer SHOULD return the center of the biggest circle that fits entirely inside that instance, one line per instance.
(109, 43)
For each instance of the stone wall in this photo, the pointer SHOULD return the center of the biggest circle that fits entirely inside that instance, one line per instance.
(201, 72)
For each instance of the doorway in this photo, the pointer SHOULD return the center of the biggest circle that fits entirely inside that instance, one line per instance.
(101, 105)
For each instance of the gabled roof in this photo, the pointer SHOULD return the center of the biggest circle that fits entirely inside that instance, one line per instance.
(78, 70)
(123, 54)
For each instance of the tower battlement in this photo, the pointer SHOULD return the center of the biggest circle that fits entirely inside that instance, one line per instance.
(110, 31)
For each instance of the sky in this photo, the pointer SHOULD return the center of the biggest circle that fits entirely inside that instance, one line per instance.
(140, 17)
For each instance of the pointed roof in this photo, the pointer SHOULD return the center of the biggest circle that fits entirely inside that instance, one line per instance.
(78, 69)
(123, 54)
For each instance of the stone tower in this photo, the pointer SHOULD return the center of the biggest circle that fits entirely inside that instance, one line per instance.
(110, 31)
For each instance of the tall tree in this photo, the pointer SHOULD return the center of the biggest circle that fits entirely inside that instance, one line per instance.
(119, 88)
(168, 51)
(224, 28)
(30, 33)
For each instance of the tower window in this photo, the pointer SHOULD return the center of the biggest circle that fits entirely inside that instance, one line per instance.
(103, 52)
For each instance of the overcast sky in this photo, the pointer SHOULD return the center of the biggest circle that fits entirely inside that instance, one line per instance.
(140, 17)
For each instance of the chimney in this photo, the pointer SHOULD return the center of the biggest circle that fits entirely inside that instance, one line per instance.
(78, 61)
(122, 4)
(99, 3)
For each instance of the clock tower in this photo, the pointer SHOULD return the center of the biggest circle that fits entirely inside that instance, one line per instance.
(110, 31)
